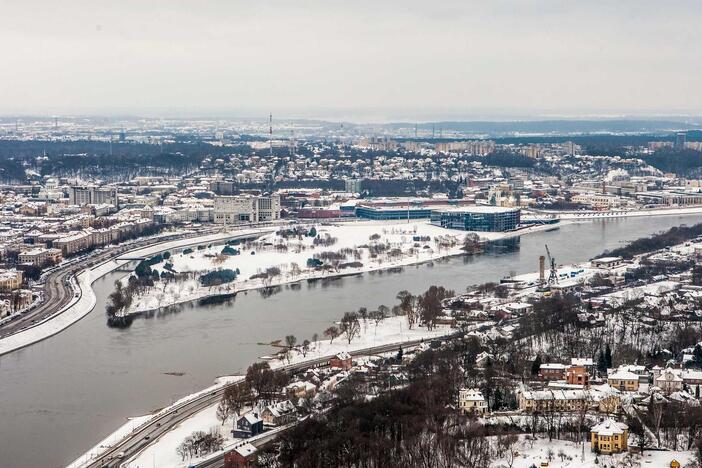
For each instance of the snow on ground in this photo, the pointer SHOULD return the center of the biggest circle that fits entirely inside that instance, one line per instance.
(591, 215)
(292, 257)
(78, 308)
(81, 306)
(537, 452)
(390, 330)
(620, 297)
(163, 451)
(110, 440)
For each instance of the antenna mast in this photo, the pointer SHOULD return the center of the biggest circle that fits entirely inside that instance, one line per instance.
(270, 134)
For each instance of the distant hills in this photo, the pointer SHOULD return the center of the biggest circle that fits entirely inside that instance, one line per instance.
(557, 127)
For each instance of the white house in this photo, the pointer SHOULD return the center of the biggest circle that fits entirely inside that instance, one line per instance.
(470, 400)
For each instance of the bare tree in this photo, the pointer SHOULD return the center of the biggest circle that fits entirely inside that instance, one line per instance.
(350, 325)
(223, 410)
(290, 341)
(331, 333)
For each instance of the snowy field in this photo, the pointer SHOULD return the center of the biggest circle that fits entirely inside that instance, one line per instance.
(530, 453)
(390, 330)
(163, 452)
(360, 246)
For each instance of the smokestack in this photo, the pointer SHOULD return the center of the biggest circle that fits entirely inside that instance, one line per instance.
(542, 268)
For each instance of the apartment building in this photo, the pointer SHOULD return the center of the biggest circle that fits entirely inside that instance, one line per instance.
(10, 280)
(233, 209)
(40, 257)
(82, 195)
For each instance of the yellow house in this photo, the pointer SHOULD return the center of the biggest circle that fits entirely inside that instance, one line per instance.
(609, 436)
(624, 381)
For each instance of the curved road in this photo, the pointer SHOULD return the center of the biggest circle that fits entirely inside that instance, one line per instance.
(57, 292)
(161, 424)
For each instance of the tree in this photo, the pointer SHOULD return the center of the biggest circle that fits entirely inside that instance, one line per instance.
(290, 341)
(237, 396)
(363, 312)
(638, 430)
(331, 333)
(697, 355)
(261, 378)
(430, 304)
(601, 363)
(350, 326)
(305, 347)
(408, 304)
(608, 357)
(536, 365)
(223, 411)
(377, 316)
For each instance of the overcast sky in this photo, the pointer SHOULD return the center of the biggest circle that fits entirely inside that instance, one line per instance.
(429, 59)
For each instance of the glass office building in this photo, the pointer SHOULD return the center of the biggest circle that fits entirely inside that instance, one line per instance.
(477, 218)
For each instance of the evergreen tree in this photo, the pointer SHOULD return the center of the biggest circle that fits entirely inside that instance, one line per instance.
(497, 400)
(536, 365)
(697, 355)
(601, 363)
(608, 357)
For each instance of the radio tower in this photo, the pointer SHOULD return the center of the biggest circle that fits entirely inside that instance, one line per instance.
(270, 134)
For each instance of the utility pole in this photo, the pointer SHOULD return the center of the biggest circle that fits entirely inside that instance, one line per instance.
(270, 134)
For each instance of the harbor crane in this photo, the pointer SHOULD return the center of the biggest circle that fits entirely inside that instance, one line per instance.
(553, 275)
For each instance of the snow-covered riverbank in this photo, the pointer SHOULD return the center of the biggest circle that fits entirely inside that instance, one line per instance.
(391, 331)
(594, 215)
(84, 297)
(275, 259)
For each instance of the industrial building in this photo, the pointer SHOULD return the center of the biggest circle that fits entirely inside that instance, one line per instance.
(477, 218)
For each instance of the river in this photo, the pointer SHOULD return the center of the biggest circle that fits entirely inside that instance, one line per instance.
(61, 396)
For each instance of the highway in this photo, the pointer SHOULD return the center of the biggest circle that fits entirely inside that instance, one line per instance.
(162, 423)
(57, 291)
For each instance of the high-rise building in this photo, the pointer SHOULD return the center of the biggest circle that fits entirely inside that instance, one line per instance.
(82, 195)
(680, 140)
(353, 185)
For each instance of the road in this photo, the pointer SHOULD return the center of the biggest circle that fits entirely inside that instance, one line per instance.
(57, 292)
(161, 424)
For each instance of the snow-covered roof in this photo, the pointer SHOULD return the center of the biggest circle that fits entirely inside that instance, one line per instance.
(581, 362)
(622, 374)
(609, 427)
(245, 450)
(553, 366)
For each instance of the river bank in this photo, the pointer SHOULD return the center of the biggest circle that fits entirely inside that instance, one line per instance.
(412, 243)
(84, 297)
(72, 390)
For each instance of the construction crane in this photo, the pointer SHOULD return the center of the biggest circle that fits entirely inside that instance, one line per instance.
(553, 275)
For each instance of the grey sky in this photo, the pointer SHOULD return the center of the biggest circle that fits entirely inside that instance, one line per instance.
(440, 58)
